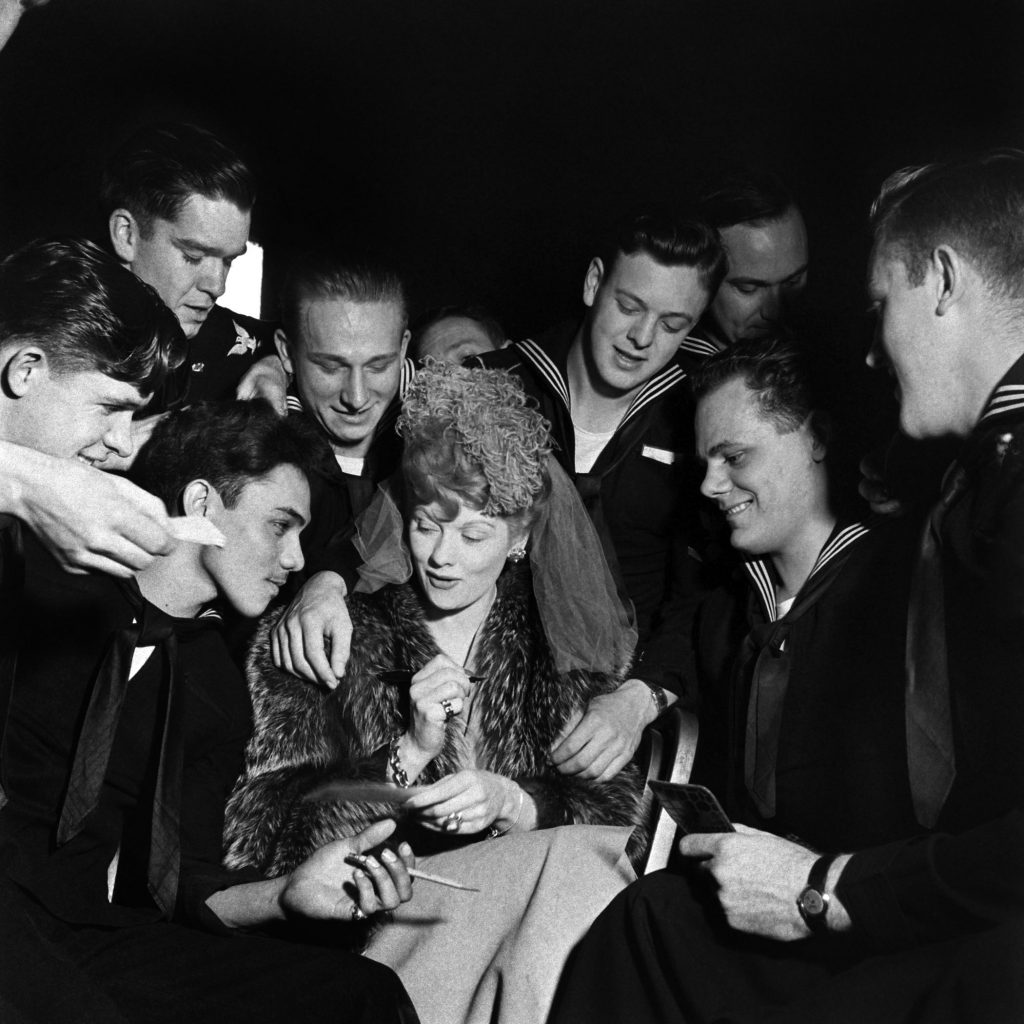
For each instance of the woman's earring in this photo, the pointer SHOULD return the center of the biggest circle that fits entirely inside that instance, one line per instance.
(517, 554)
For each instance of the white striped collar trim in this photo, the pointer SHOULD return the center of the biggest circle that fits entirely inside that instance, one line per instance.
(668, 378)
(546, 367)
(655, 388)
(699, 346)
(1006, 398)
(761, 575)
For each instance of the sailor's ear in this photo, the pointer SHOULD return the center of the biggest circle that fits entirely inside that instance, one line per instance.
(24, 367)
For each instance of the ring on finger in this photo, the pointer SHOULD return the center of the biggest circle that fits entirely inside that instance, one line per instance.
(357, 913)
(453, 822)
(449, 709)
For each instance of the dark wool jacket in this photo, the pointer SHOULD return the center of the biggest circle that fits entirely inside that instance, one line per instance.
(304, 735)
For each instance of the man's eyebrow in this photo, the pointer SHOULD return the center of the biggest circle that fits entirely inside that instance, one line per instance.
(717, 449)
(330, 357)
(131, 404)
(206, 250)
(292, 514)
(622, 293)
(764, 283)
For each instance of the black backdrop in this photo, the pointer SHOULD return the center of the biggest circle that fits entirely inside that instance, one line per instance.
(487, 142)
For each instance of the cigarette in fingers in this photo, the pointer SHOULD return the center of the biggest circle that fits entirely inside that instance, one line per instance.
(358, 861)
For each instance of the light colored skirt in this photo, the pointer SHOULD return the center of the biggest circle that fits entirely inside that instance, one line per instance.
(495, 956)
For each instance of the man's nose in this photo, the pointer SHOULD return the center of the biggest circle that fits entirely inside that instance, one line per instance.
(715, 482)
(772, 303)
(213, 278)
(292, 559)
(641, 331)
(118, 436)
(353, 392)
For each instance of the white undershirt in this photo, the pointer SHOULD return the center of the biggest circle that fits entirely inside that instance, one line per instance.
(349, 465)
(782, 607)
(588, 447)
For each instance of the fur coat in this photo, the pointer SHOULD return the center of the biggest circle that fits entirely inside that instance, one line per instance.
(305, 735)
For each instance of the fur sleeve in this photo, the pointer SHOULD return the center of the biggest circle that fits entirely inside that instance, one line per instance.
(303, 736)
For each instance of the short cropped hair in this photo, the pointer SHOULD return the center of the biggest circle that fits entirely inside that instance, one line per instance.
(478, 314)
(326, 275)
(154, 173)
(746, 197)
(88, 312)
(776, 370)
(974, 204)
(670, 240)
(229, 444)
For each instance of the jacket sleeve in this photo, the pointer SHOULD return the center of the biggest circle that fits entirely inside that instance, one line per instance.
(938, 886)
(967, 878)
(667, 659)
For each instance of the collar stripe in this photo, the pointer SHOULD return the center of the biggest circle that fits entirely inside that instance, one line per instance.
(1005, 399)
(761, 575)
(655, 388)
(699, 346)
(546, 367)
(407, 376)
(762, 580)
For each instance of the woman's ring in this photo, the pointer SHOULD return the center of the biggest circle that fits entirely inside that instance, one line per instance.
(453, 822)
(449, 710)
(357, 913)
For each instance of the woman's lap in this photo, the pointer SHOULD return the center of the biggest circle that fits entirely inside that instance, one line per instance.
(496, 954)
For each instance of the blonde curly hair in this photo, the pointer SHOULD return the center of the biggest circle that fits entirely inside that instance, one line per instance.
(472, 436)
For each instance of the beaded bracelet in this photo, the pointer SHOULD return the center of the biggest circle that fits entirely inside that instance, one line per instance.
(398, 773)
(494, 833)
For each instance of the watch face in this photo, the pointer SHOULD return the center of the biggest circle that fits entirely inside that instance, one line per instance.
(812, 903)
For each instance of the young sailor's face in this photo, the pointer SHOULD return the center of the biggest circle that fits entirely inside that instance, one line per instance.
(187, 259)
(347, 366)
(81, 414)
(261, 532)
(767, 483)
(767, 272)
(640, 311)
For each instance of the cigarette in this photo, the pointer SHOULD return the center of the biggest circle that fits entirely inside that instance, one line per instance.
(358, 861)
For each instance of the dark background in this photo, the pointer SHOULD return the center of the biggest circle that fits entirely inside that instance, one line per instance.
(487, 143)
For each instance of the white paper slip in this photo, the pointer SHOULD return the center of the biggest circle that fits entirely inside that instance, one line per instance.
(195, 530)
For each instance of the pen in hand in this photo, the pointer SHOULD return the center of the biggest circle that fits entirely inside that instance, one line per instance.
(403, 677)
(356, 860)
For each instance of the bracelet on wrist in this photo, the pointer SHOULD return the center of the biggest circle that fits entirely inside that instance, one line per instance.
(494, 832)
(399, 775)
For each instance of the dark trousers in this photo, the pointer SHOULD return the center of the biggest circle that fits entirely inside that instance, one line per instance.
(161, 973)
(661, 953)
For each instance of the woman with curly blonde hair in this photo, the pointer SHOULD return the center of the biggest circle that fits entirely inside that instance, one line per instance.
(469, 660)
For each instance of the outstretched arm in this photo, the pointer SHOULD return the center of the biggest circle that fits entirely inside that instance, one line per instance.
(89, 521)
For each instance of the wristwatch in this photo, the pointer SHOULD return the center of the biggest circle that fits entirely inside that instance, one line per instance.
(657, 696)
(813, 899)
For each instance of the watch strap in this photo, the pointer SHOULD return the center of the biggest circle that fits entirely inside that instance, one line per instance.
(818, 876)
(658, 696)
(814, 895)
